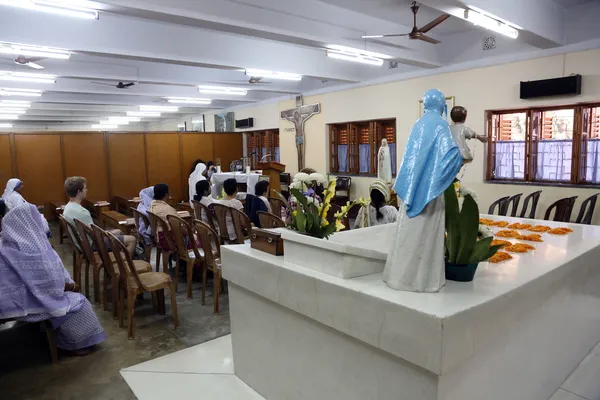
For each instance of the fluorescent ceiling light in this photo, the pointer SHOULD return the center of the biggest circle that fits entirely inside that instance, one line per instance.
(5, 125)
(188, 100)
(15, 103)
(142, 114)
(26, 77)
(129, 119)
(33, 51)
(354, 51)
(159, 108)
(113, 122)
(259, 73)
(488, 22)
(20, 92)
(340, 55)
(66, 8)
(8, 116)
(102, 126)
(11, 111)
(222, 90)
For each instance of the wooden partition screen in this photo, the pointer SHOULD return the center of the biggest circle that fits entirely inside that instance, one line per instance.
(115, 164)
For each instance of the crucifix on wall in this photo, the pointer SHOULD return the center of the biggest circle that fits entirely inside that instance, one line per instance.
(298, 116)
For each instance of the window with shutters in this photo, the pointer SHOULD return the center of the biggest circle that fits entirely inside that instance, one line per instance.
(545, 145)
(262, 146)
(353, 146)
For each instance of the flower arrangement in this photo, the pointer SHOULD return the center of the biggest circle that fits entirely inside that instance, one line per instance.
(310, 218)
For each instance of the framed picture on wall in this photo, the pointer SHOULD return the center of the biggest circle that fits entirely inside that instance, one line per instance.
(449, 104)
(198, 124)
(224, 122)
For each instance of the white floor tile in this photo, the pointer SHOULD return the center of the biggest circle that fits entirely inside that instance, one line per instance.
(585, 380)
(214, 356)
(564, 395)
(161, 386)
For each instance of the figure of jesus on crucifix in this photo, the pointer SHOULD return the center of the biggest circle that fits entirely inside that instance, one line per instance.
(298, 116)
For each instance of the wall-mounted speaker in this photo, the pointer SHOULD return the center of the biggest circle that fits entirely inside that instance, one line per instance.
(244, 123)
(567, 86)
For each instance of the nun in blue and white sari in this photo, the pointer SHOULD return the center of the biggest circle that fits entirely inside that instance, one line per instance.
(36, 287)
(431, 161)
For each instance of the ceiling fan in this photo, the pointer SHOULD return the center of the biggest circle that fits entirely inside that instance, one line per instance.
(417, 33)
(29, 62)
(119, 85)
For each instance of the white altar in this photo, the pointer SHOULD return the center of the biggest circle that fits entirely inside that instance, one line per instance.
(218, 178)
(515, 332)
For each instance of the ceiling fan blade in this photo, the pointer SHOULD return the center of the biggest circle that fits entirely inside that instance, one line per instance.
(129, 84)
(434, 23)
(383, 36)
(103, 83)
(34, 65)
(427, 39)
(35, 59)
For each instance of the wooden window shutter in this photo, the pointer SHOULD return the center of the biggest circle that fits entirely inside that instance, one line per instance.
(333, 147)
(353, 139)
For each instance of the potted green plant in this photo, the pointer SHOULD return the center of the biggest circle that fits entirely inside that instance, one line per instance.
(463, 248)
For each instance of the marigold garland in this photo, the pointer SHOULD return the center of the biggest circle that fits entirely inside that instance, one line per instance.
(519, 226)
(532, 237)
(539, 228)
(507, 234)
(560, 231)
(499, 257)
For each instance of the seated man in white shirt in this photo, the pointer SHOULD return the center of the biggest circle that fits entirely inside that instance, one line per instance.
(76, 189)
(230, 188)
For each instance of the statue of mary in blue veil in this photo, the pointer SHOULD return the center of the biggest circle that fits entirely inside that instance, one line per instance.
(431, 161)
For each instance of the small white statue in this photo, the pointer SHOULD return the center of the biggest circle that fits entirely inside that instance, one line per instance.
(384, 163)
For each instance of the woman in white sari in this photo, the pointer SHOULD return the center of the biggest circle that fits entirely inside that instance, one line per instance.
(196, 176)
(12, 198)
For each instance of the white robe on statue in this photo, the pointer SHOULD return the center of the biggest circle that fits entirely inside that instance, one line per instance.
(416, 259)
(384, 163)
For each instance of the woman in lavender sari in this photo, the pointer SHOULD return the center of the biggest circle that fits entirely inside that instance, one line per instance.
(35, 286)
(147, 196)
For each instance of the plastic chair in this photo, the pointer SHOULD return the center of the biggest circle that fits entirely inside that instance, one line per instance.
(181, 230)
(277, 205)
(514, 202)
(562, 209)
(139, 219)
(534, 198)
(500, 204)
(136, 283)
(203, 213)
(268, 220)
(211, 246)
(157, 224)
(586, 212)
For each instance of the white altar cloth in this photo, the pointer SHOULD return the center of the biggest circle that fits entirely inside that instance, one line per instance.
(516, 332)
(217, 180)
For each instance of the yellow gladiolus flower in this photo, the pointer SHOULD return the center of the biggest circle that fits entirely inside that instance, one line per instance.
(324, 222)
(338, 225)
(295, 213)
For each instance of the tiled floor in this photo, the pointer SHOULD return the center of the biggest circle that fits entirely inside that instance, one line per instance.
(208, 369)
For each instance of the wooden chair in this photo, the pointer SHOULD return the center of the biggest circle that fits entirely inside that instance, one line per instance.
(500, 203)
(157, 224)
(277, 205)
(139, 219)
(342, 184)
(268, 220)
(182, 230)
(586, 212)
(562, 209)
(203, 213)
(134, 284)
(76, 246)
(221, 212)
(242, 226)
(514, 202)
(533, 198)
(211, 246)
(92, 258)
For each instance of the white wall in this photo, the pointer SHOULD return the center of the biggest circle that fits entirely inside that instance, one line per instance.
(489, 88)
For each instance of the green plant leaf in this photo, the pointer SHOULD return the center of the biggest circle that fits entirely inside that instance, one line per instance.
(301, 221)
(481, 250)
(468, 226)
(282, 198)
(452, 217)
(299, 197)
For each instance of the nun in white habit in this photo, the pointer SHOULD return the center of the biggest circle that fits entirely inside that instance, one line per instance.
(12, 198)
(196, 176)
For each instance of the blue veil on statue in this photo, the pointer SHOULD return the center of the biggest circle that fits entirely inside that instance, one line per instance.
(431, 159)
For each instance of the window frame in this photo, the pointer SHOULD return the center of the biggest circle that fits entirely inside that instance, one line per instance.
(353, 129)
(579, 140)
(257, 140)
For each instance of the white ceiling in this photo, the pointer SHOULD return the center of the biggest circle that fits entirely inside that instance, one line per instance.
(170, 47)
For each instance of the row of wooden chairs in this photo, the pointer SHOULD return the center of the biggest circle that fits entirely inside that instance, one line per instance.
(559, 211)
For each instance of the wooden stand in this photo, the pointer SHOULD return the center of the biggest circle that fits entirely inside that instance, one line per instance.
(272, 169)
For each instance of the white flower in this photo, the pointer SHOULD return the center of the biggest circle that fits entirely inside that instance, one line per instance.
(316, 177)
(301, 177)
(310, 199)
